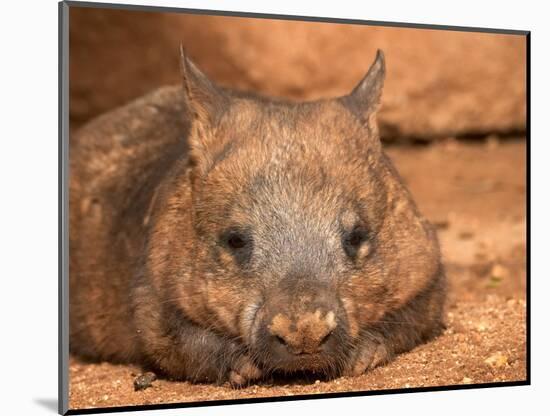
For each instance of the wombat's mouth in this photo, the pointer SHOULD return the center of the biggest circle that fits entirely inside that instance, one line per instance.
(303, 362)
(305, 366)
(327, 361)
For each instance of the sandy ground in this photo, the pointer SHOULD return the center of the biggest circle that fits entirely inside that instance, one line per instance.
(475, 193)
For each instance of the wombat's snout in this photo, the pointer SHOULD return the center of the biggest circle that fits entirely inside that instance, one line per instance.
(301, 328)
(303, 333)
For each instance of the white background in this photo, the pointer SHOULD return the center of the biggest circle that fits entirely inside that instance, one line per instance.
(28, 204)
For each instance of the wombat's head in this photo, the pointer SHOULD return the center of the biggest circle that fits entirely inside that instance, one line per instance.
(297, 236)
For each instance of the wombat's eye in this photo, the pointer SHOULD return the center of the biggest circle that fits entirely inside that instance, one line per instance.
(236, 241)
(239, 243)
(354, 240)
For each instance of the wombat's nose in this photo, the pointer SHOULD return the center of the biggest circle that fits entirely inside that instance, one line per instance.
(305, 334)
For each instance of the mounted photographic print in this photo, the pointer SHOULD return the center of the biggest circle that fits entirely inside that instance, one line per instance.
(267, 208)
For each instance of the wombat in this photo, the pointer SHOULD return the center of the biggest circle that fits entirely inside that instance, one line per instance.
(223, 236)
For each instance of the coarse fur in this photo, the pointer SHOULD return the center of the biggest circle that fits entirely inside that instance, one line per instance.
(217, 236)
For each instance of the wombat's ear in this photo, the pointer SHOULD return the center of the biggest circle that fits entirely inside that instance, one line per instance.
(205, 100)
(364, 100)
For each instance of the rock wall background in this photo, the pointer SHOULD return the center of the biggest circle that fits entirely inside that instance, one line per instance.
(439, 83)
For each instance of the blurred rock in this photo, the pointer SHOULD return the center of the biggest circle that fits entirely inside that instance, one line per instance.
(439, 83)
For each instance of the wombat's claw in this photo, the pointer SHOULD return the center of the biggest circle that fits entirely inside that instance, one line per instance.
(245, 373)
(369, 357)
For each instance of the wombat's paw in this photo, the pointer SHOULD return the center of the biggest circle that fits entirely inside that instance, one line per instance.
(368, 357)
(243, 372)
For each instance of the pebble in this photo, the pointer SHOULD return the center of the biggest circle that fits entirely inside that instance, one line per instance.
(498, 272)
(497, 360)
(481, 327)
(144, 381)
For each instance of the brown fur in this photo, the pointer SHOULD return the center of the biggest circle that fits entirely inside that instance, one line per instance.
(219, 236)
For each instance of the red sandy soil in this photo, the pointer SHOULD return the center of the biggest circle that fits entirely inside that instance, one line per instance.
(475, 193)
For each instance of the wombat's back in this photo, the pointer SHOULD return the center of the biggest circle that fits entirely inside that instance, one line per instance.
(116, 164)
